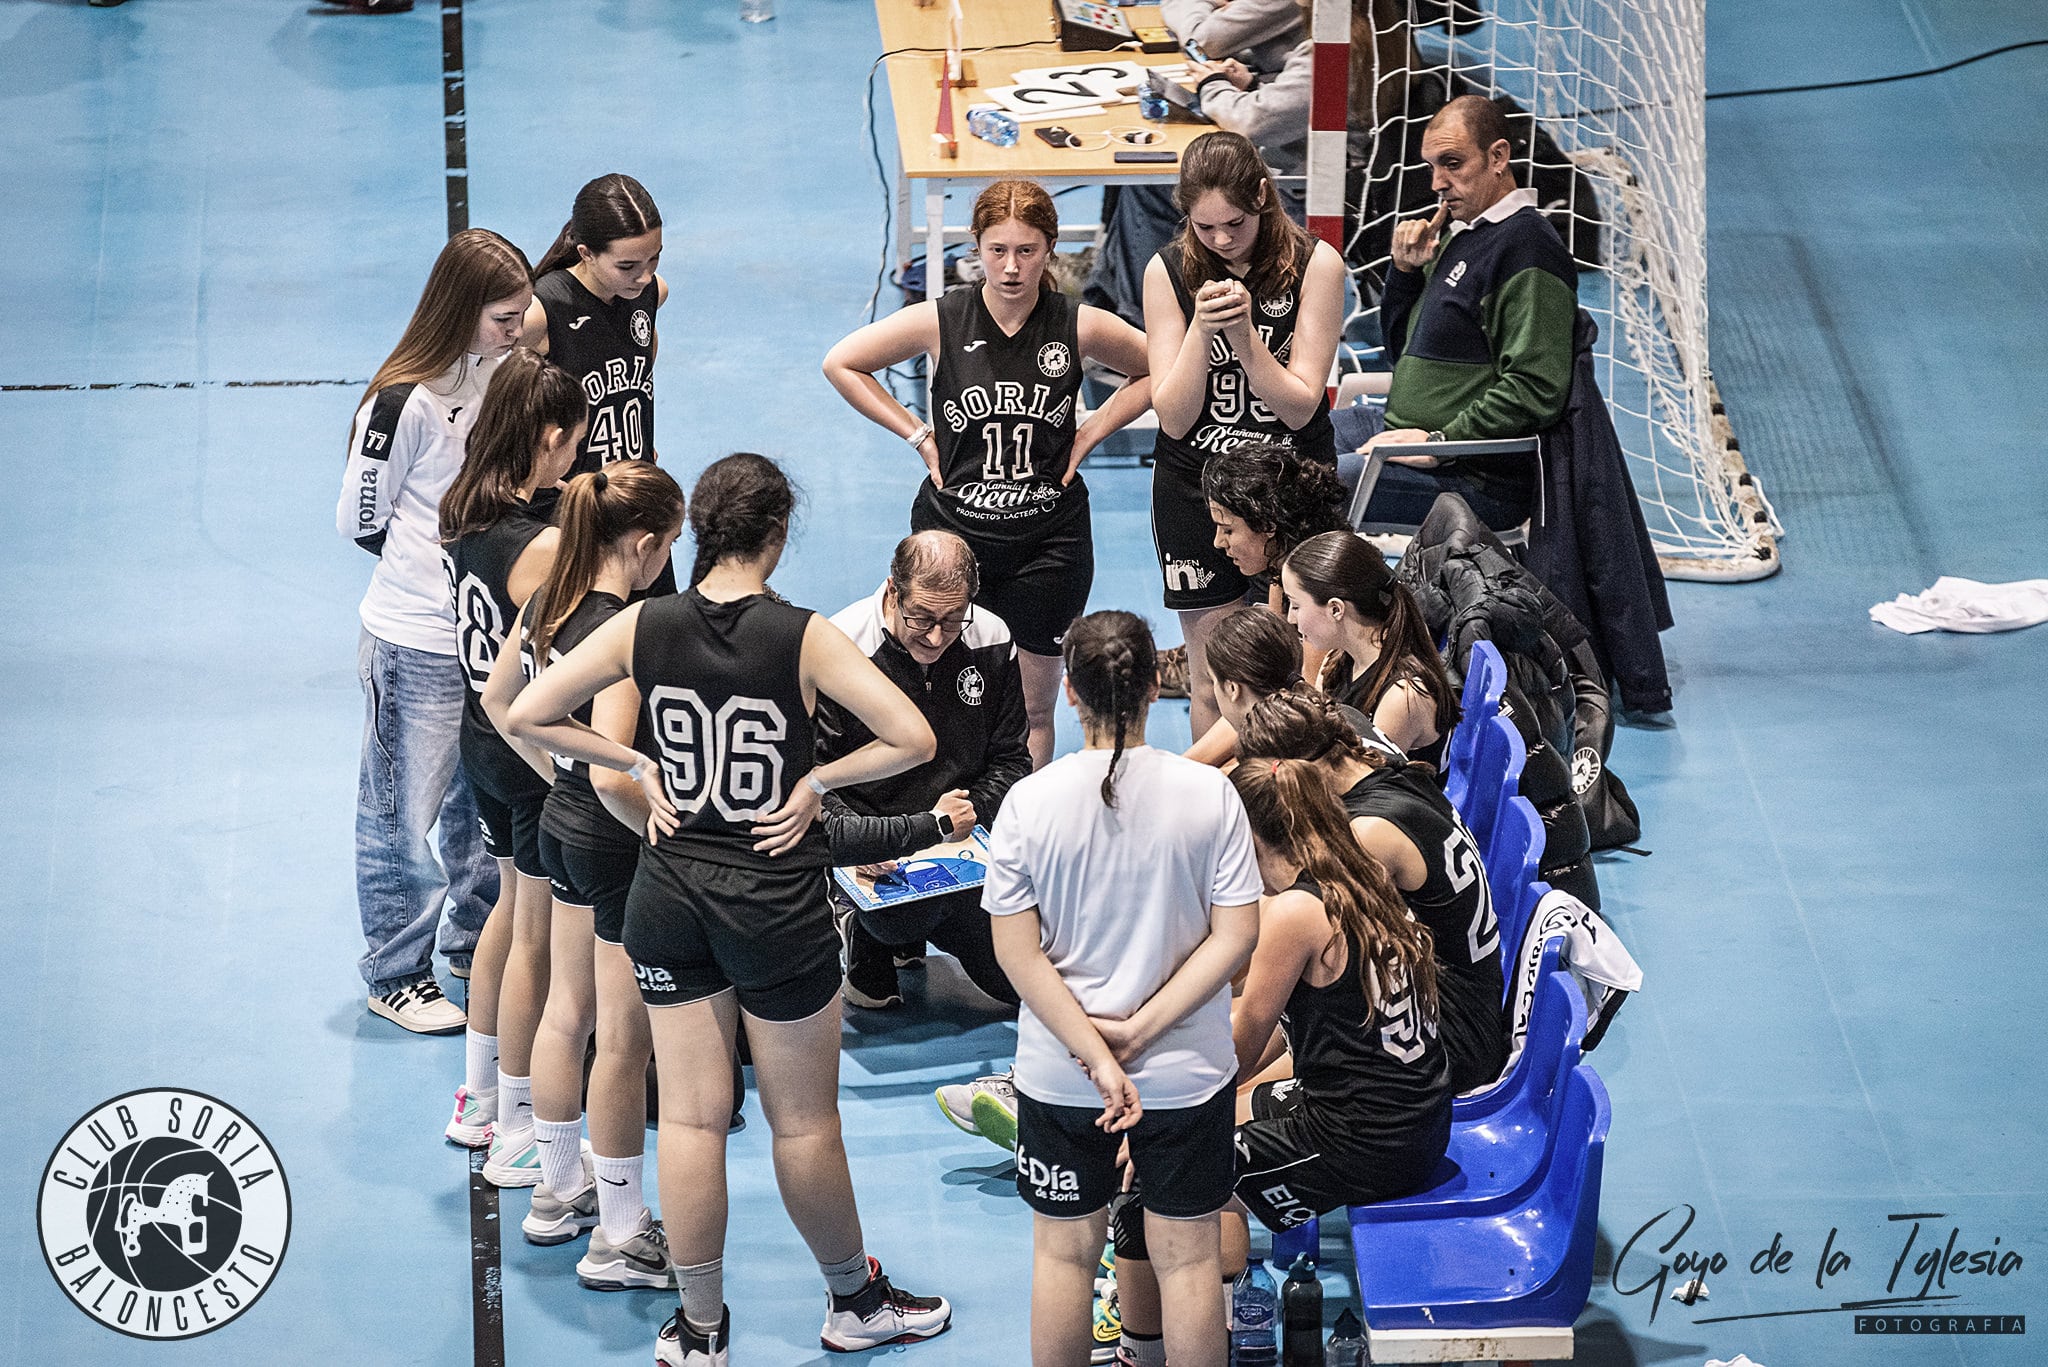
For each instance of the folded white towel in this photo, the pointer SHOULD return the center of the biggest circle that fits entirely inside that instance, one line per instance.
(1966, 605)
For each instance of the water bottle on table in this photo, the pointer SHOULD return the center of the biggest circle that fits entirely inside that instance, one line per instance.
(1254, 1315)
(1347, 1347)
(991, 124)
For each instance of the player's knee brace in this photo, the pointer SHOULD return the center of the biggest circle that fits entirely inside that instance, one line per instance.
(1127, 1228)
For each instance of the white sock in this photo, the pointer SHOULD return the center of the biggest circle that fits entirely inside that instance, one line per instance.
(515, 1103)
(1145, 1352)
(619, 1199)
(480, 1063)
(559, 1143)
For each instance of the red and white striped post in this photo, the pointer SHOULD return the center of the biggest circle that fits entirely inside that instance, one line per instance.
(1328, 119)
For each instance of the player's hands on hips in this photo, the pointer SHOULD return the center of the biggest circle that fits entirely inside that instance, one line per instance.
(786, 825)
(928, 452)
(662, 818)
(1415, 240)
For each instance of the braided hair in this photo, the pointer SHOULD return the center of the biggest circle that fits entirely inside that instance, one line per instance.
(1114, 669)
(740, 507)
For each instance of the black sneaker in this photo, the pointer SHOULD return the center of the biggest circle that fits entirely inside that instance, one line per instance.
(870, 975)
(878, 1314)
(678, 1345)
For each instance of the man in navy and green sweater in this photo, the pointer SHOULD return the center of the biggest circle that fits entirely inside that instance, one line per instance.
(1478, 323)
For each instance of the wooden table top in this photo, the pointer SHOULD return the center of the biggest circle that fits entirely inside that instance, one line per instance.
(914, 91)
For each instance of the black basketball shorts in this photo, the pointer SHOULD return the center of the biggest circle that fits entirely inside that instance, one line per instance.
(1287, 1176)
(1038, 584)
(511, 829)
(695, 929)
(1066, 1165)
(1197, 575)
(585, 876)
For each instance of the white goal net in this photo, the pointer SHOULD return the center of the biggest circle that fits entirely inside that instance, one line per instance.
(1612, 136)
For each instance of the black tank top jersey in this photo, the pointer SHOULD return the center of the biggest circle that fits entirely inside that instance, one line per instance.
(573, 814)
(1004, 421)
(1453, 901)
(1375, 1072)
(1231, 414)
(1349, 692)
(479, 573)
(722, 705)
(609, 348)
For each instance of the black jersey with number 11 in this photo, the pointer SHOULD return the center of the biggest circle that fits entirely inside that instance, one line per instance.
(609, 348)
(1003, 413)
(722, 701)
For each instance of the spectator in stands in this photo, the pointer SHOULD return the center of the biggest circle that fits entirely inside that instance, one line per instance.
(1478, 324)
(956, 661)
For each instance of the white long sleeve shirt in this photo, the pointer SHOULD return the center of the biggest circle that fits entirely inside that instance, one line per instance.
(405, 449)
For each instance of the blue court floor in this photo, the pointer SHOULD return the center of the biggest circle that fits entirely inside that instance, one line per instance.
(219, 208)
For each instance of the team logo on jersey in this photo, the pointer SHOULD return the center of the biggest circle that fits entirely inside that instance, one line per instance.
(581, 319)
(1585, 769)
(164, 1214)
(976, 345)
(1188, 575)
(1279, 306)
(641, 327)
(1457, 274)
(971, 686)
(1054, 359)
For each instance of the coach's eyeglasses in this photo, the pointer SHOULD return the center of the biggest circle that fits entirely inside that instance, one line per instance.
(919, 625)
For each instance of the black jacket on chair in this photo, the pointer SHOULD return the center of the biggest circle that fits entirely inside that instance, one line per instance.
(1588, 543)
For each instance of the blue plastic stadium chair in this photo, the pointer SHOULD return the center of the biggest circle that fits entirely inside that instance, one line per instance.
(1527, 1264)
(1546, 1025)
(1486, 677)
(1496, 777)
(1497, 1157)
(1291, 1244)
(1512, 861)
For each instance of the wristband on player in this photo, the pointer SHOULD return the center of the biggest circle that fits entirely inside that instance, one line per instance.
(817, 785)
(916, 439)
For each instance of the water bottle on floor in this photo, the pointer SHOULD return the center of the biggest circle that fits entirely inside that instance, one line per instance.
(1301, 1316)
(1254, 1315)
(1347, 1346)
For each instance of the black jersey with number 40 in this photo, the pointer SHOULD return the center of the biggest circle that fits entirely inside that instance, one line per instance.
(1003, 413)
(609, 348)
(479, 575)
(722, 708)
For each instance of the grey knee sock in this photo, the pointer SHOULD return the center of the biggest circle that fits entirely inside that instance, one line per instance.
(847, 1276)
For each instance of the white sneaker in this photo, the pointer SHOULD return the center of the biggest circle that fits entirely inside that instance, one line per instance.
(420, 1007)
(878, 1313)
(551, 1220)
(677, 1345)
(471, 1124)
(986, 1106)
(509, 1166)
(639, 1262)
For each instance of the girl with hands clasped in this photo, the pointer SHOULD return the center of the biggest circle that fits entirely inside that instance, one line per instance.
(1005, 444)
(727, 916)
(1242, 312)
(1124, 894)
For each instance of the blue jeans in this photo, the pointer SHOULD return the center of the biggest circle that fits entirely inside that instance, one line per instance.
(411, 777)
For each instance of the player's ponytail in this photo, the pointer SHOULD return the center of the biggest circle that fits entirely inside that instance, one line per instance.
(1340, 565)
(1300, 723)
(1114, 668)
(1292, 810)
(741, 506)
(607, 209)
(597, 512)
(527, 396)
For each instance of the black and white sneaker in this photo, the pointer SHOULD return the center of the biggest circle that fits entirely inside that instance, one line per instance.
(420, 1007)
(678, 1345)
(878, 1314)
